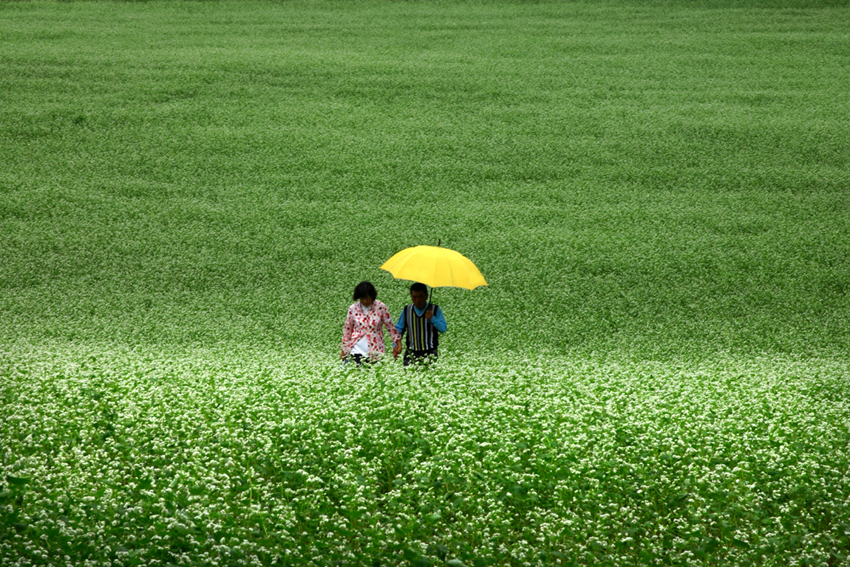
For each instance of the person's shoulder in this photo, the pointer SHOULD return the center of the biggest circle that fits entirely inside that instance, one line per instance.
(352, 306)
(379, 304)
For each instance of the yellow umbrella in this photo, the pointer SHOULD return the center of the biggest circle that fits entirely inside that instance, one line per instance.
(435, 267)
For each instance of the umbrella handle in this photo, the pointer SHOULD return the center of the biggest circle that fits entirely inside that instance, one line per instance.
(431, 292)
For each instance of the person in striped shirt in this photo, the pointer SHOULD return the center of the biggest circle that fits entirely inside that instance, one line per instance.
(420, 325)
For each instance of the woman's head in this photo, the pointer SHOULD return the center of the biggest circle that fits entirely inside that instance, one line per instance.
(366, 293)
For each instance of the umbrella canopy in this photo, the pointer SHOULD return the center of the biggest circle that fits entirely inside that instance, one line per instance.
(435, 267)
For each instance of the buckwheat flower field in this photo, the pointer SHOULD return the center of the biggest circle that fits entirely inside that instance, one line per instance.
(657, 193)
(248, 458)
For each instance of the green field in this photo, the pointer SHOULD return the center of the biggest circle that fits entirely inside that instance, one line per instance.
(656, 191)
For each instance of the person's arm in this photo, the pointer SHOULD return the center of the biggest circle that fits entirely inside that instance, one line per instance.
(399, 326)
(395, 334)
(347, 331)
(439, 321)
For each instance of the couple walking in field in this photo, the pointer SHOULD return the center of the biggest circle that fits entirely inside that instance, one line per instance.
(419, 325)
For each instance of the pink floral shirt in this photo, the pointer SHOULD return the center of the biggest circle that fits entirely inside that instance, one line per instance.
(358, 324)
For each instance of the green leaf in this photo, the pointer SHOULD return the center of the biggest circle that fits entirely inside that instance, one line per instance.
(441, 551)
(740, 543)
(455, 563)
(17, 480)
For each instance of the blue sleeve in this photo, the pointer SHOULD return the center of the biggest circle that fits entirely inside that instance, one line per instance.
(399, 326)
(439, 321)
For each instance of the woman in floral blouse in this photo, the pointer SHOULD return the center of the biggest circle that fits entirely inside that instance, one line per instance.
(362, 334)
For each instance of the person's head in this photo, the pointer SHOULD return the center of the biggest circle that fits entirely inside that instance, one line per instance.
(366, 293)
(419, 295)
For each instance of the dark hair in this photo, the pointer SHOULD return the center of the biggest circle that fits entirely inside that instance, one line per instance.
(365, 289)
(418, 287)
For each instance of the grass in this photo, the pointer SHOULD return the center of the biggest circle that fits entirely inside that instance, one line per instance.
(656, 193)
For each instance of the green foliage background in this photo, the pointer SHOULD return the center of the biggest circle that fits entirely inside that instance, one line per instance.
(661, 178)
